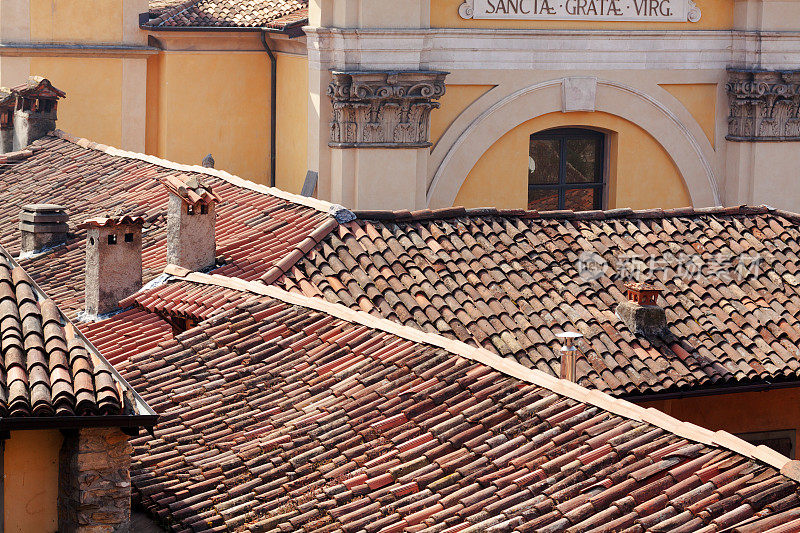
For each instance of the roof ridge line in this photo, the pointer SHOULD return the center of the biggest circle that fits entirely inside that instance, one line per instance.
(17, 155)
(566, 214)
(618, 406)
(313, 203)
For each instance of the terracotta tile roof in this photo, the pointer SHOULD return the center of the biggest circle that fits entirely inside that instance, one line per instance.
(288, 413)
(46, 368)
(257, 227)
(227, 13)
(509, 281)
(131, 331)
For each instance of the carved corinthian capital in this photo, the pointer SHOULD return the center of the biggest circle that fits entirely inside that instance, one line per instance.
(383, 109)
(764, 105)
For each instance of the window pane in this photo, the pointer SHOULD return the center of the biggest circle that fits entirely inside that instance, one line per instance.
(583, 160)
(543, 199)
(543, 162)
(582, 199)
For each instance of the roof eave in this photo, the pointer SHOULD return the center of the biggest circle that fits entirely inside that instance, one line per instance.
(77, 422)
(292, 29)
(696, 392)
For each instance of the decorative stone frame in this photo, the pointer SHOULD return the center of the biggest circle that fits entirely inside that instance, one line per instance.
(383, 109)
(764, 105)
(454, 156)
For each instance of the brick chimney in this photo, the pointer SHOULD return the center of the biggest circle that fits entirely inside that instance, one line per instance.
(640, 312)
(35, 104)
(191, 214)
(42, 226)
(113, 261)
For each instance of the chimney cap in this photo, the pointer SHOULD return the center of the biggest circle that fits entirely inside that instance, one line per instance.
(569, 335)
(112, 221)
(191, 189)
(43, 208)
(642, 292)
(38, 87)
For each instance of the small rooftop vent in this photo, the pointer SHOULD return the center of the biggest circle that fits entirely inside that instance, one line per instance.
(42, 226)
(569, 354)
(641, 312)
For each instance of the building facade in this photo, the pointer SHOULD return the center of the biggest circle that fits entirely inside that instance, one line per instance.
(568, 104)
(515, 104)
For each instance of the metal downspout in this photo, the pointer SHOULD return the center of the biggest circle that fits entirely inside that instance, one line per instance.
(273, 81)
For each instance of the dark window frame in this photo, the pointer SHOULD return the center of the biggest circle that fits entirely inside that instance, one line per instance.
(562, 135)
(765, 437)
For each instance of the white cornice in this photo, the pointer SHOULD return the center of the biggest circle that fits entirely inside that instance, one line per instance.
(456, 49)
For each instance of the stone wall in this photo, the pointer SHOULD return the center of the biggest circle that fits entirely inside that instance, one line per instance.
(94, 493)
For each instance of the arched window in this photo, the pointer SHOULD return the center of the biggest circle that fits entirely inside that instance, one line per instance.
(565, 170)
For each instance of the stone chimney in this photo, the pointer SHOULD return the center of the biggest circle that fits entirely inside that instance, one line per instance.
(35, 104)
(7, 101)
(569, 353)
(640, 312)
(42, 226)
(191, 214)
(113, 261)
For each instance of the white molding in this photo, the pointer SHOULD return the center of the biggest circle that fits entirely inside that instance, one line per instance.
(497, 49)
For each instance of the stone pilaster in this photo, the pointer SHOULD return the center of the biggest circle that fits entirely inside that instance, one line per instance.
(379, 109)
(94, 493)
(764, 105)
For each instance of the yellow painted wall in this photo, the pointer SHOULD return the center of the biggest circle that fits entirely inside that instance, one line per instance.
(93, 106)
(717, 15)
(154, 107)
(30, 463)
(700, 99)
(83, 21)
(455, 100)
(642, 174)
(744, 412)
(213, 102)
(291, 144)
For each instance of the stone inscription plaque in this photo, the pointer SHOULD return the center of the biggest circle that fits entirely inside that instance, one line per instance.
(622, 10)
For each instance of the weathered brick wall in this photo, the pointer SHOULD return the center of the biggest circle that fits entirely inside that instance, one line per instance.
(94, 494)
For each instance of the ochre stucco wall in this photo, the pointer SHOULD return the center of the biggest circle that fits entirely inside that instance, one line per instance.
(215, 102)
(455, 100)
(83, 21)
(716, 15)
(700, 99)
(30, 463)
(93, 106)
(154, 109)
(291, 144)
(641, 174)
(744, 412)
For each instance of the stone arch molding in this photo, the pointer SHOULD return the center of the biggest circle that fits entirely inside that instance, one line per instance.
(612, 97)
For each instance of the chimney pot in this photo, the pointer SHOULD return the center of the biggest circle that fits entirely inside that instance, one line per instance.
(113, 262)
(569, 354)
(642, 293)
(191, 217)
(640, 312)
(42, 226)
